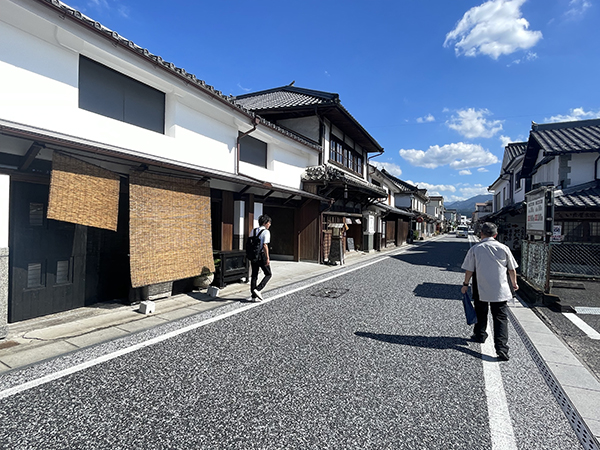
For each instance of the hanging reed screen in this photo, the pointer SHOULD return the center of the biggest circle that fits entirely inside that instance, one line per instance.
(83, 193)
(170, 228)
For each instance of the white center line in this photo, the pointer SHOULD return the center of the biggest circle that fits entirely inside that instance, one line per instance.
(579, 323)
(501, 428)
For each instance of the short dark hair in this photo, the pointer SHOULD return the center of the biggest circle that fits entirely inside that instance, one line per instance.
(489, 229)
(263, 220)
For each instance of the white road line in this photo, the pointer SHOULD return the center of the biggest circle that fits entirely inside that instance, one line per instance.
(501, 428)
(579, 323)
(93, 362)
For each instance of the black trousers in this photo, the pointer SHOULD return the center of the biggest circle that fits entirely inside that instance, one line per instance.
(256, 267)
(499, 320)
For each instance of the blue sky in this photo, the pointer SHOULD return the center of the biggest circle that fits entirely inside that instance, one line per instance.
(442, 85)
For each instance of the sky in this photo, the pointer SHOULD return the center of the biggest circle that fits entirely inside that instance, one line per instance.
(442, 85)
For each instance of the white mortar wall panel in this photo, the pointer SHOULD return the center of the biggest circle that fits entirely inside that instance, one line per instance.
(258, 211)
(582, 168)
(4, 209)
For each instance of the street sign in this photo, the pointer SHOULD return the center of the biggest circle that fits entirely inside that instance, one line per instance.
(540, 211)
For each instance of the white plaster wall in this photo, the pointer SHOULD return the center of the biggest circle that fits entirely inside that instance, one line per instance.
(258, 211)
(582, 168)
(4, 209)
(547, 173)
(39, 59)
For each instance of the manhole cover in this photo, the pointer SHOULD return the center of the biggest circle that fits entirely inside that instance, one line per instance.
(330, 293)
(587, 310)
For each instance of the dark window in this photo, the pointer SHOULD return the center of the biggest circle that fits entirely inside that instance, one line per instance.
(112, 94)
(34, 275)
(344, 155)
(518, 181)
(36, 214)
(63, 272)
(253, 151)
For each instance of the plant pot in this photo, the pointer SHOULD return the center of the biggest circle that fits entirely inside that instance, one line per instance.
(203, 281)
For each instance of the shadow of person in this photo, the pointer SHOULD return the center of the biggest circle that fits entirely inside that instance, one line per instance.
(433, 342)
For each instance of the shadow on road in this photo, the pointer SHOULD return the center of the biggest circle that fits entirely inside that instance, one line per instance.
(438, 290)
(433, 342)
(436, 254)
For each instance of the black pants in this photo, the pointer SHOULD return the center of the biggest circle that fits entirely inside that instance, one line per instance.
(260, 264)
(499, 319)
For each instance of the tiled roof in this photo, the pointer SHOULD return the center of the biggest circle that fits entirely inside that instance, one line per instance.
(514, 149)
(579, 136)
(285, 97)
(585, 198)
(188, 78)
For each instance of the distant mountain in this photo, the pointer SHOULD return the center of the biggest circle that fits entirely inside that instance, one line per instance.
(467, 207)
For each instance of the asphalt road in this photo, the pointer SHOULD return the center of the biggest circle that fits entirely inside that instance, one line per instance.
(375, 357)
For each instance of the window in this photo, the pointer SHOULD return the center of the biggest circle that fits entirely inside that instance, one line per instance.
(63, 272)
(342, 154)
(110, 93)
(253, 151)
(34, 275)
(518, 181)
(36, 214)
(572, 231)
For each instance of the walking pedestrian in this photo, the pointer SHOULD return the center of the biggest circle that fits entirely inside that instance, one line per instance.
(488, 262)
(263, 263)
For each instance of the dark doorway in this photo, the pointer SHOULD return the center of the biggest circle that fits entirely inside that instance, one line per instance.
(47, 257)
(282, 231)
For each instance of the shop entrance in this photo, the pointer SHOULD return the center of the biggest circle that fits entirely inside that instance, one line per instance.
(47, 257)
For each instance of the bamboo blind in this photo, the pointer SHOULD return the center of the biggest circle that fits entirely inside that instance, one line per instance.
(169, 230)
(83, 193)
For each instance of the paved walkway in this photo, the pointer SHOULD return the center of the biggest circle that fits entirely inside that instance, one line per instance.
(32, 341)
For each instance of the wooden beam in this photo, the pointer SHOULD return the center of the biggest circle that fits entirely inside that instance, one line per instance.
(244, 190)
(289, 199)
(31, 154)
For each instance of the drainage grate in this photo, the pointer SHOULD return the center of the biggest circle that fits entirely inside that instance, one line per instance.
(587, 439)
(330, 293)
(587, 310)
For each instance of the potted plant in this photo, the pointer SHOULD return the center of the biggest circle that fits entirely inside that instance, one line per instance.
(205, 279)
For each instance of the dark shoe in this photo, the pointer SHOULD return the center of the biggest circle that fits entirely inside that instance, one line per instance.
(503, 356)
(480, 339)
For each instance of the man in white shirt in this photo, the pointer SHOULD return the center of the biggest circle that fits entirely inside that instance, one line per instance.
(263, 263)
(490, 260)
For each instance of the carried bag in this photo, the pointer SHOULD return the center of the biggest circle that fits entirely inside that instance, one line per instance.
(253, 247)
(469, 310)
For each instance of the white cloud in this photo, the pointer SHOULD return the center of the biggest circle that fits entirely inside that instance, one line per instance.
(505, 140)
(482, 170)
(577, 8)
(471, 123)
(427, 118)
(472, 191)
(243, 88)
(574, 114)
(392, 168)
(433, 187)
(457, 156)
(530, 56)
(493, 28)
(464, 172)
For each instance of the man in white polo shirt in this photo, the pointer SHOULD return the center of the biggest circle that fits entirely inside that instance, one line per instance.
(490, 260)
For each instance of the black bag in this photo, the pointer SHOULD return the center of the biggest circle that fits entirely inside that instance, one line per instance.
(253, 247)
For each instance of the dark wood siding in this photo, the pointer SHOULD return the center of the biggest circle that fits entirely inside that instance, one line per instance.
(308, 231)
